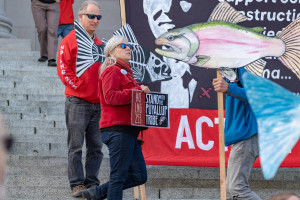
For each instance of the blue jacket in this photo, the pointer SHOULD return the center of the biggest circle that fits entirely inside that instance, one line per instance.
(240, 121)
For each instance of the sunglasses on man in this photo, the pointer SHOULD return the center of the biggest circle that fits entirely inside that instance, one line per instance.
(92, 16)
(123, 46)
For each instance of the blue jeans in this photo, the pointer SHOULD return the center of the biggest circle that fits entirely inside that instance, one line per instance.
(64, 30)
(127, 164)
(82, 119)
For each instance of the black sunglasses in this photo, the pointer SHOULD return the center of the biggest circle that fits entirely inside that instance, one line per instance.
(92, 16)
(123, 46)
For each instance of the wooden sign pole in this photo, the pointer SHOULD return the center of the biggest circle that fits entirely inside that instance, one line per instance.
(221, 143)
(141, 187)
(123, 13)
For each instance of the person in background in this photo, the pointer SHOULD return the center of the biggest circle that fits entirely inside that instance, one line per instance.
(116, 82)
(46, 17)
(285, 196)
(66, 18)
(241, 133)
(5, 145)
(82, 108)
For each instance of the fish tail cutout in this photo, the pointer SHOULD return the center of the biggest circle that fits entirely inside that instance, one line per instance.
(277, 112)
(224, 12)
(291, 37)
(85, 57)
(256, 67)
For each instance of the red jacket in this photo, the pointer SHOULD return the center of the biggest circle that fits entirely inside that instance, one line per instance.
(66, 12)
(84, 87)
(115, 92)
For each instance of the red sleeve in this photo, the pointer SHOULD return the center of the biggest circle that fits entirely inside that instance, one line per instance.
(66, 64)
(113, 92)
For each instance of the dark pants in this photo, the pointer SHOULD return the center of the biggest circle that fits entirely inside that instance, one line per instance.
(128, 168)
(82, 119)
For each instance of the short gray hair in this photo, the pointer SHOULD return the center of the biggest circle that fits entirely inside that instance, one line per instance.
(85, 4)
(109, 47)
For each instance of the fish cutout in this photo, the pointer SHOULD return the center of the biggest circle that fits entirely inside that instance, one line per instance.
(146, 66)
(229, 45)
(277, 111)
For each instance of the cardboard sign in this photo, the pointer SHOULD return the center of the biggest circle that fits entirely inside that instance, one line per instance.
(151, 110)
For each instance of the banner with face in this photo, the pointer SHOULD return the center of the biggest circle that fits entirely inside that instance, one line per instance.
(192, 139)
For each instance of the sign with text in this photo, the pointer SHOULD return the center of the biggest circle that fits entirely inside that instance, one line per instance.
(149, 110)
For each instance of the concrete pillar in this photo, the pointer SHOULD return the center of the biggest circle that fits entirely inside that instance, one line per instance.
(5, 23)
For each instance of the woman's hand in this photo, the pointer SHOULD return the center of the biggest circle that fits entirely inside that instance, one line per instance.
(145, 89)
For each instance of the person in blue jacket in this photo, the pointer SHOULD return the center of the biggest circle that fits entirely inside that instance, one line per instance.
(241, 133)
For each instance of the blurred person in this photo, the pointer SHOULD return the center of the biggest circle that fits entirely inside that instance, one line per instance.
(116, 82)
(241, 134)
(82, 108)
(5, 144)
(46, 17)
(66, 18)
(285, 196)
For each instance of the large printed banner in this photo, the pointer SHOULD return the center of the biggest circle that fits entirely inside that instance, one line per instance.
(192, 139)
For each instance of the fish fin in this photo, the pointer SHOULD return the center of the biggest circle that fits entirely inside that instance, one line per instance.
(201, 60)
(228, 73)
(291, 37)
(257, 29)
(256, 67)
(277, 113)
(224, 12)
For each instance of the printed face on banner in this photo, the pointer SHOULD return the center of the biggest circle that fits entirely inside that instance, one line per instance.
(157, 13)
(160, 22)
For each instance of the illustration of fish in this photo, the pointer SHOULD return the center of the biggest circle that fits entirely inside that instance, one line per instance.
(277, 112)
(221, 44)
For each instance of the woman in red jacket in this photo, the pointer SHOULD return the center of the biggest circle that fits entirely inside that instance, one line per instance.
(116, 82)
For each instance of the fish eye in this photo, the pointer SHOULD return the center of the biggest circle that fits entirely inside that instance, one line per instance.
(171, 38)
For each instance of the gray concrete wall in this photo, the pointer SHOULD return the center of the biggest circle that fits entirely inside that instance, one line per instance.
(19, 11)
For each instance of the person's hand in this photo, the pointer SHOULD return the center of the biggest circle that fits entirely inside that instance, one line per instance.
(220, 85)
(145, 89)
(58, 1)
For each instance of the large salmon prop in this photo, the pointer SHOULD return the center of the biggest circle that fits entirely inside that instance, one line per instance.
(277, 111)
(220, 43)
